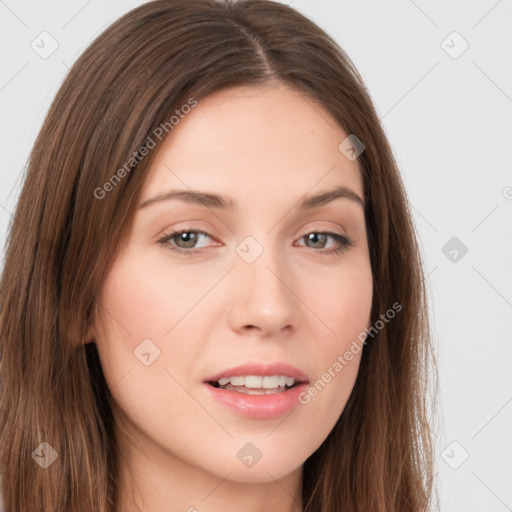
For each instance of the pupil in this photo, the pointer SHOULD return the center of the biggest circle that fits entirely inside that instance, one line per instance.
(188, 237)
(313, 236)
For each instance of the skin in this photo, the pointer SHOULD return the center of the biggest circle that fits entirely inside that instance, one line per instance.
(266, 148)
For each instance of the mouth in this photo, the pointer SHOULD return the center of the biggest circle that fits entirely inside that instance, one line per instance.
(252, 397)
(256, 384)
(258, 390)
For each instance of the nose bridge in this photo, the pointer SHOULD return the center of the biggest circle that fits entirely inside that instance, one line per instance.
(264, 298)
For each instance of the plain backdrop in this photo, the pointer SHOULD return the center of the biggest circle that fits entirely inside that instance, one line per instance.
(440, 76)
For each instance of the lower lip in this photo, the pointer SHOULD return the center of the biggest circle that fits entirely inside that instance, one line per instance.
(262, 407)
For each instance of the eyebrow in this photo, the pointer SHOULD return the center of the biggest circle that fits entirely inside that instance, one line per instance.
(211, 200)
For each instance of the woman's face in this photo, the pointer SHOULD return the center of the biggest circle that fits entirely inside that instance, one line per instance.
(262, 287)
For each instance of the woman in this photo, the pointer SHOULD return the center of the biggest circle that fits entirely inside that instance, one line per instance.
(212, 292)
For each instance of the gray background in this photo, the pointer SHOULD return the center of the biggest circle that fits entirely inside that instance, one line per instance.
(447, 115)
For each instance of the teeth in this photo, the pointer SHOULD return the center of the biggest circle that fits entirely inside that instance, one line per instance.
(253, 381)
(258, 382)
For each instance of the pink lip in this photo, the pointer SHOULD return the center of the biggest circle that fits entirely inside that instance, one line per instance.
(259, 406)
(263, 369)
(263, 407)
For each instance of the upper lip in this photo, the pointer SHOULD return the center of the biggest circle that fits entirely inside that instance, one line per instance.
(263, 369)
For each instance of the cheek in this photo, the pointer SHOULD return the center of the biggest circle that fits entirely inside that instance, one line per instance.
(138, 360)
(342, 300)
(130, 324)
(141, 300)
(141, 315)
(343, 303)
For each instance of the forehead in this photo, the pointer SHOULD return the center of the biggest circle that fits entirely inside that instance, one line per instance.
(265, 141)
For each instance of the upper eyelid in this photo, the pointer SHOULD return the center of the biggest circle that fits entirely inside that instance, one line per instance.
(206, 232)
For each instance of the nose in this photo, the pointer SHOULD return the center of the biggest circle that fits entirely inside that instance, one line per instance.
(263, 300)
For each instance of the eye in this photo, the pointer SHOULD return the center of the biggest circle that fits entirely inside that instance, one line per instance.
(320, 237)
(185, 241)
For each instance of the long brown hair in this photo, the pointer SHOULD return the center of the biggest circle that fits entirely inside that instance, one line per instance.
(69, 223)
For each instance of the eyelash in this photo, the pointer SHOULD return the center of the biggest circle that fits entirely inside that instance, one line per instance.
(344, 242)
